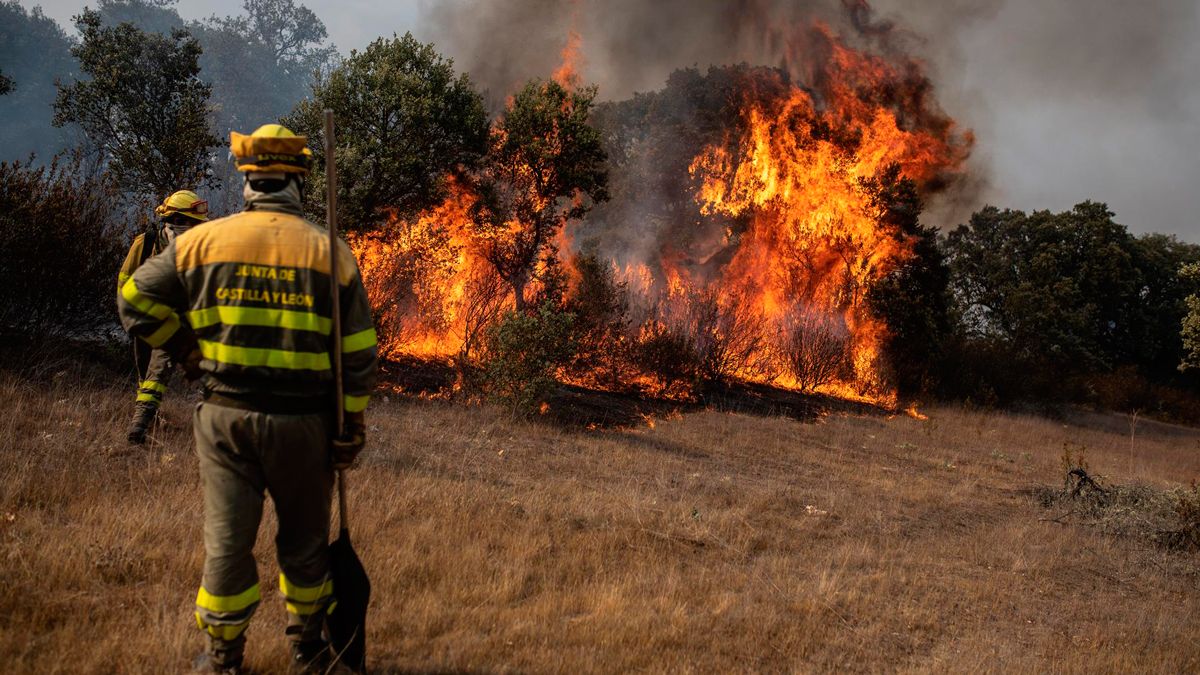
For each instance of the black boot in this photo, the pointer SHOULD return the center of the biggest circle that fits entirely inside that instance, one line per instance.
(143, 417)
(310, 657)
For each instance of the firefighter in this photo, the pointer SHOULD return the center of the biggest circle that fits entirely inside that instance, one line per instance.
(243, 303)
(178, 213)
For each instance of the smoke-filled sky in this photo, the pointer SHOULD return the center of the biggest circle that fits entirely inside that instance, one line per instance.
(1069, 99)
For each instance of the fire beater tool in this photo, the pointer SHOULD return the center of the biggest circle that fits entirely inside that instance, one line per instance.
(347, 623)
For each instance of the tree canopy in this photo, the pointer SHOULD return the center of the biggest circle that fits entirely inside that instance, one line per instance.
(405, 122)
(144, 105)
(546, 166)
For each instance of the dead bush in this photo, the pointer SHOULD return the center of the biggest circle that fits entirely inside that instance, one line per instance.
(62, 241)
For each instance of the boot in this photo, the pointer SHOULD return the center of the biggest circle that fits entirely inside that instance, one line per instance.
(310, 657)
(222, 656)
(207, 663)
(143, 417)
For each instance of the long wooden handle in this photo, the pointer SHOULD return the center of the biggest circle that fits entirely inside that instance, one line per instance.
(335, 288)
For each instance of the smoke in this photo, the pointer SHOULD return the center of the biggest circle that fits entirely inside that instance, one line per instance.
(630, 45)
(1069, 99)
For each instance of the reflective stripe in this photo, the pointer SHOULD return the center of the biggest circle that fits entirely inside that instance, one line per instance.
(305, 600)
(259, 316)
(355, 403)
(305, 593)
(164, 332)
(225, 604)
(271, 358)
(359, 341)
(143, 304)
(222, 631)
(154, 386)
(121, 279)
(149, 398)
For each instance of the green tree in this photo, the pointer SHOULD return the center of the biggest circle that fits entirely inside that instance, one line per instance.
(144, 105)
(522, 353)
(1162, 303)
(913, 300)
(546, 166)
(1060, 288)
(1190, 324)
(284, 40)
(405, 123)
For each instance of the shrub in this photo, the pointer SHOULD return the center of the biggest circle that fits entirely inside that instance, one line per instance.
(814, 346)
(61, 244)
(666, 355)
(601, 308)
(522, 352)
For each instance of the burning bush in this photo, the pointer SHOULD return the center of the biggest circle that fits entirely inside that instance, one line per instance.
(522, 353)
(814, 345)
(600, 304)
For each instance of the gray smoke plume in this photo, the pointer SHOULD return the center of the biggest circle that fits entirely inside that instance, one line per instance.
(1069, 99)
(631, 45)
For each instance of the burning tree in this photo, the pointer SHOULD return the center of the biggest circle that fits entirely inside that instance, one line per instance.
(545, 167)
(739, 196)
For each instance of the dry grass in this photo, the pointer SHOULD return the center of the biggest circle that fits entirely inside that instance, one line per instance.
(709, 543)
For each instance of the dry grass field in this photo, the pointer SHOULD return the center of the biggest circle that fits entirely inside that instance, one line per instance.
(705, 542)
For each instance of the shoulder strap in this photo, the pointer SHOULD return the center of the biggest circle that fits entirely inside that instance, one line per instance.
(149, 241)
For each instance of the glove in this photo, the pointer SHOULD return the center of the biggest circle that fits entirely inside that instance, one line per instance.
(191, 365)
(345, 448)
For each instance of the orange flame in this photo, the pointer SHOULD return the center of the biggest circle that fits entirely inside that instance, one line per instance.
(803, 237)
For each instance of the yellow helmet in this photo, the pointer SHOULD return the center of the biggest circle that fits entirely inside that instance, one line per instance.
(184, 202)
(271, 148)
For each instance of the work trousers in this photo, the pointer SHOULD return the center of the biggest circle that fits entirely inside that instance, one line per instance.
(154, 374)
(244, 455)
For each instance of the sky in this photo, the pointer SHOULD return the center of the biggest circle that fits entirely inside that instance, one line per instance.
(1069, 99)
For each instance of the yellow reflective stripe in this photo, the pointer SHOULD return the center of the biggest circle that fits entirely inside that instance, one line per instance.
(225, 604)
(259, 316)
(271, 358)
(222, 631)
(152, 398)
(143, 304)
(121, 279)
(164, 332)
(355, 403)
(154, 386)
(359, 341)
(305, 593)
(304, 600)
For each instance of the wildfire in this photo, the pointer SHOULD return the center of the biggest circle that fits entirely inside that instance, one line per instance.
(782, 298)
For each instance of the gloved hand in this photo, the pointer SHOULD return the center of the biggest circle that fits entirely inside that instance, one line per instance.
(345, 448)
(191, 365)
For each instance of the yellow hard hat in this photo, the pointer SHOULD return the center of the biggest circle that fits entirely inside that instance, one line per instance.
(271, 148)
(184, 202)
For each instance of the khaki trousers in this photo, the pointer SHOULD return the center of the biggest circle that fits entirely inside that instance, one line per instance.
(154, 372)
(244, 455)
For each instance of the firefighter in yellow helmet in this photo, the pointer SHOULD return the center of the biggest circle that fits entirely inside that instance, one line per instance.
(244, 303)
(178, 213)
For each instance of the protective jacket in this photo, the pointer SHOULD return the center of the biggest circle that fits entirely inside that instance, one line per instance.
(154, 366)
(252, 290)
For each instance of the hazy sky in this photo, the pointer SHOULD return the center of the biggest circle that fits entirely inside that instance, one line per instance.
(1069, 99)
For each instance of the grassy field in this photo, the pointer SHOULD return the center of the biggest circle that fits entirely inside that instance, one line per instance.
(700, 542)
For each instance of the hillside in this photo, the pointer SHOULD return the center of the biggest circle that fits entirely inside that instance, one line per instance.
(705, 541)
